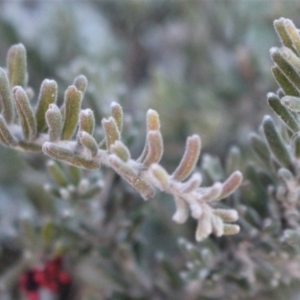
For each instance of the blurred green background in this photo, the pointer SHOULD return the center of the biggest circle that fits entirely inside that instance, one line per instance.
(203, 65)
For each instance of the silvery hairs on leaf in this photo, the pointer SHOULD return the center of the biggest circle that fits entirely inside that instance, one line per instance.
(66, 134)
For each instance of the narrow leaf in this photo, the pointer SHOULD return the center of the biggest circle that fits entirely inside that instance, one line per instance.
(6, 136)
(227, 215)
(87, 121)
(92, 191)
(281, 110)
(111, 130)
(161, 177)
(57, 173)
(25, 113)
(72, 104)
(212, 193)
(189, 159)
(17, 65)
(131, 176)
(6, 98)
(54, 122)
(217, 225)
(285, 67)
(47, 232)
(155, 148)
(280, 28)
(290, 57)
(66, 155)
(293, 34)
(275, 143)
(153, 123)
(182, 211)
(75, 175)
(230, 229)
(119, 149)
(191, 184)
(204, 227)
(88, 142)
(117, 114)
(293, 103)
(47, 96)
(231, 184)
(81, 82)
(284, 83)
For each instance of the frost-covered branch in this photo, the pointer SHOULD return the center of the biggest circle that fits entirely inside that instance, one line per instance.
(66, 133)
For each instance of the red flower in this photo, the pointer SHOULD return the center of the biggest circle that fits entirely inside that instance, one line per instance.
(50, 277)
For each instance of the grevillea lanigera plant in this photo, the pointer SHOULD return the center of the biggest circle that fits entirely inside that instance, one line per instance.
(265, 256)
(66, 134)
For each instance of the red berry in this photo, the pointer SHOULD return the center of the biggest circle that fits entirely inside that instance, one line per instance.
(52, 286)
(32, 296)
(64, 278)
(39, 277)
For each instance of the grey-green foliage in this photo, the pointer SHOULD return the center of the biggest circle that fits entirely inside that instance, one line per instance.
(66, 133)
(264, 258)
(282, 151)
(273, 192)
(69, 138)
(238, 267)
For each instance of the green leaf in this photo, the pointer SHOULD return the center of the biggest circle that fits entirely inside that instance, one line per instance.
(6, 98)
(54, 122)
(281, 110)
(117, 114)
(293, 34)
(72, 104)
(111, 130)
(81, 82)
(189, 159)
(284, 83)
(47, 96)
(280, 28)
(260, 147)
(25, 113)
(6, 137)
(276, 143)
(155, 148)
(17, 66)
(119, 149)
(64, 154)
(87, 121)
(126, 171)
(57, 173)
(291, 74)
(293, 103)
(88, 142)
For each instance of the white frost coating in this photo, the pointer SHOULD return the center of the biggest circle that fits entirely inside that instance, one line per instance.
(182, 211)
(83, 185)
(273, 50)
(204, 227)
(86, 112)
(266, 118)
(217, 224)
(113, 104)
(64, 193)
(196, 210)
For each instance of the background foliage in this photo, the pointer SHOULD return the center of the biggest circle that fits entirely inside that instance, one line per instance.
(205, 67)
